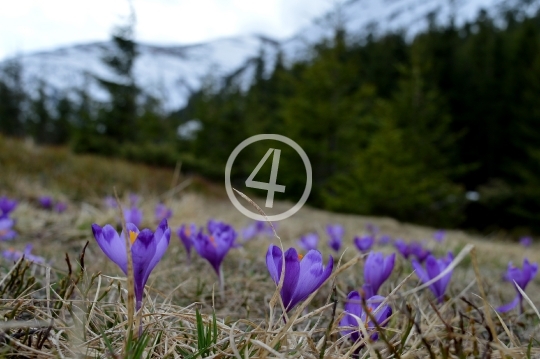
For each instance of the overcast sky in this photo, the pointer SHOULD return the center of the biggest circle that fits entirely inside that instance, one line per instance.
(30, 25)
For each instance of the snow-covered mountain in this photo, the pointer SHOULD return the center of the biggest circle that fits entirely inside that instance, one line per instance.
(169, 72)
(173, 72)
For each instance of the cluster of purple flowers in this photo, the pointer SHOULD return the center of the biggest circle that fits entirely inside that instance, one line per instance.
(303, 275)
(6, 222)
(133, 214)
(14, 255)
(300, 276)
(255, 229)
(46, 202)
(412, 249)
(7, 206)
(377, 269)
(147, 247)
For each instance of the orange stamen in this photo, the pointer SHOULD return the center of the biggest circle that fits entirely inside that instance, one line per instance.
(300, 256)
(213, 240)
(132, 236)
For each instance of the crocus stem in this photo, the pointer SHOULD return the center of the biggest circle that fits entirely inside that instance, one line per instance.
(221, 283)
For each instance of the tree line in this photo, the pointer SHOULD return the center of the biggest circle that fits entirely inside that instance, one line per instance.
(442, 129)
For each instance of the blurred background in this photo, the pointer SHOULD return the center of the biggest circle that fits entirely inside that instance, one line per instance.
(425, 111)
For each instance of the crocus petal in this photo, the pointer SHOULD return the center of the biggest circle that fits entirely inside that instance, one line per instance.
(529, 272)
(111, 244)
(443, 264)
(353, 314)
(388, 265)
(403, 248)
(142, 253)
(312, 275)
(273, 262)
(292, 273)
(367, 290)
(380, 312)
(372, 270)
(6, 223)
(509, 306)
(377, 269)
(433, 270)
(420, 272)
(162, 237)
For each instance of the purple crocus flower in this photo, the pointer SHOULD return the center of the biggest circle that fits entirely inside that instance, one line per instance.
(336, 233)
(133, 215)
(133, 200)
(403, 248)
(519, 278)
(162, 212)
(525, 241)
(385, 239)
(6, 206)
(45, 202)
(434, 267)
(14, 255)
(186, 234)
(60, 207)
(309, 241)
(215, 246)
(219, 228)
(364, 243)
(110, 202)
(6, 229)
(439, 235)
(417, 249)
(377, 269)
(256, 228)
(354, 313)
(303, 274)
(249, 232)
(147, 248)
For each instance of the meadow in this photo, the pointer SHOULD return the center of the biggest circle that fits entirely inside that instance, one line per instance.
(66, 299)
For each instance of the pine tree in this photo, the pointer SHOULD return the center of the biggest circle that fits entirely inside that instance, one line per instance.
(12, 99)
(120, 115)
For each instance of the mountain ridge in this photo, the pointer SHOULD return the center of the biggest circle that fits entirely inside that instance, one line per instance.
(172, 72)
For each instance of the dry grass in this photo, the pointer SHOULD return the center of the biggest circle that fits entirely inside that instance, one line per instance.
(75, 307)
